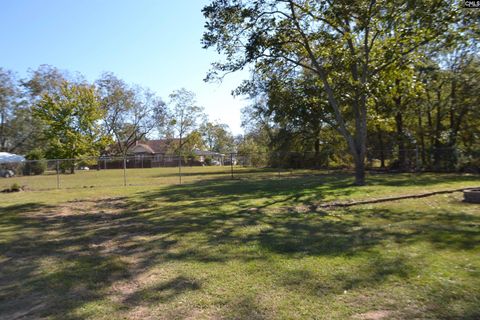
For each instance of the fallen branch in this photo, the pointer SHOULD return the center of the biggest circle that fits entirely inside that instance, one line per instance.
(411, 196)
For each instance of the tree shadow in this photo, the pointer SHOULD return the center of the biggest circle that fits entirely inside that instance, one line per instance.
(163, 292)
(418, 179)
(57, 259)
(222, 171)
(373, 272)
(441, 228)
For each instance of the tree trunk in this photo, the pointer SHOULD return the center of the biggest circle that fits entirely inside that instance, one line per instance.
(360, 171)
(402, 158)
(317, 153)
(431, 132)
(382, 151)
(453, 104)
(357, 143)
(359, 146)
(438, 127)
(422, 138)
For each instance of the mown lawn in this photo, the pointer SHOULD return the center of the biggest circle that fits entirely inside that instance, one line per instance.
(242, 249)
(134, 177)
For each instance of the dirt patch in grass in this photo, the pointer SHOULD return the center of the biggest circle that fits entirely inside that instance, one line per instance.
(374, 315)
(109, 206)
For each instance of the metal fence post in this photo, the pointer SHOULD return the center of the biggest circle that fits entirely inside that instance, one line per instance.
(180, 168)
(58, 174)
(231, 164)
(417, 160)
(278, 164)
(124, 170)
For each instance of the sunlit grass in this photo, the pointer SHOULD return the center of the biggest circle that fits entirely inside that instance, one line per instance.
(242, 249)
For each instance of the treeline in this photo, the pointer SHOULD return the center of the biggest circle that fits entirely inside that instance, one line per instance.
(350, 83)
(56, 115)
(427, 118)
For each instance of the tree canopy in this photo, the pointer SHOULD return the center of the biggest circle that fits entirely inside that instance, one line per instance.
(71, 117)
(345, 46)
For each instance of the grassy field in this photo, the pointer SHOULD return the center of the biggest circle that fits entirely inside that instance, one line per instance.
(216, 248)
(136, 177)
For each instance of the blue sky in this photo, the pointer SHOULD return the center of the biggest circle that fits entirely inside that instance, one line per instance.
(154, 43)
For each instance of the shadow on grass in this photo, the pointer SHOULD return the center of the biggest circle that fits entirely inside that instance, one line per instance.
(421, 179)
(222, 171)
(57, 259)
(163, 292)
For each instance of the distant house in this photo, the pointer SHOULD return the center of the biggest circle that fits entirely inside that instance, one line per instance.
(162, 152)
(215, 158)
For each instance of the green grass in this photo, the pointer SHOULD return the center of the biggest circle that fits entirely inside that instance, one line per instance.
(242, 249)
(136, 177)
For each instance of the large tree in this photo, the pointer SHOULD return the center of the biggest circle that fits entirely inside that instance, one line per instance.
(344, 44)
(45, 79)
(28, 129)
(217, 137)
(8, 104)
(130, 112)
(184, 116)
(71, 117)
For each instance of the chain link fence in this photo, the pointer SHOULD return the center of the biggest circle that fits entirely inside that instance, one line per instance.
(164, 169)
(124, 171)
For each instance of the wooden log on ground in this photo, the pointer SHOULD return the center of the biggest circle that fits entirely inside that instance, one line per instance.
(388, 199)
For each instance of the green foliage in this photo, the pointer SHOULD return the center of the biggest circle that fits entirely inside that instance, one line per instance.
(217, 137)
(344, 46)
(469, 163)
(253, 148)
(71, 118)
(36, 163)
(184, 117)
(15, 187)
(87, 162)
(130, 113)
(8, 107)
(192, 141)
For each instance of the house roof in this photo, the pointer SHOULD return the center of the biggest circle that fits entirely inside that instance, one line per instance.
(141, 148)
(162, 146)
(155, 146)
(145, 146)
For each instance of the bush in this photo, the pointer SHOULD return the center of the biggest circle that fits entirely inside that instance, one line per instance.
(87, 162)
(36, 163)
(15, 187)
(469, 164)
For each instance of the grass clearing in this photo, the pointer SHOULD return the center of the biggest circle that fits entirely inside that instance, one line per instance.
(242, 249)
(137, 177)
